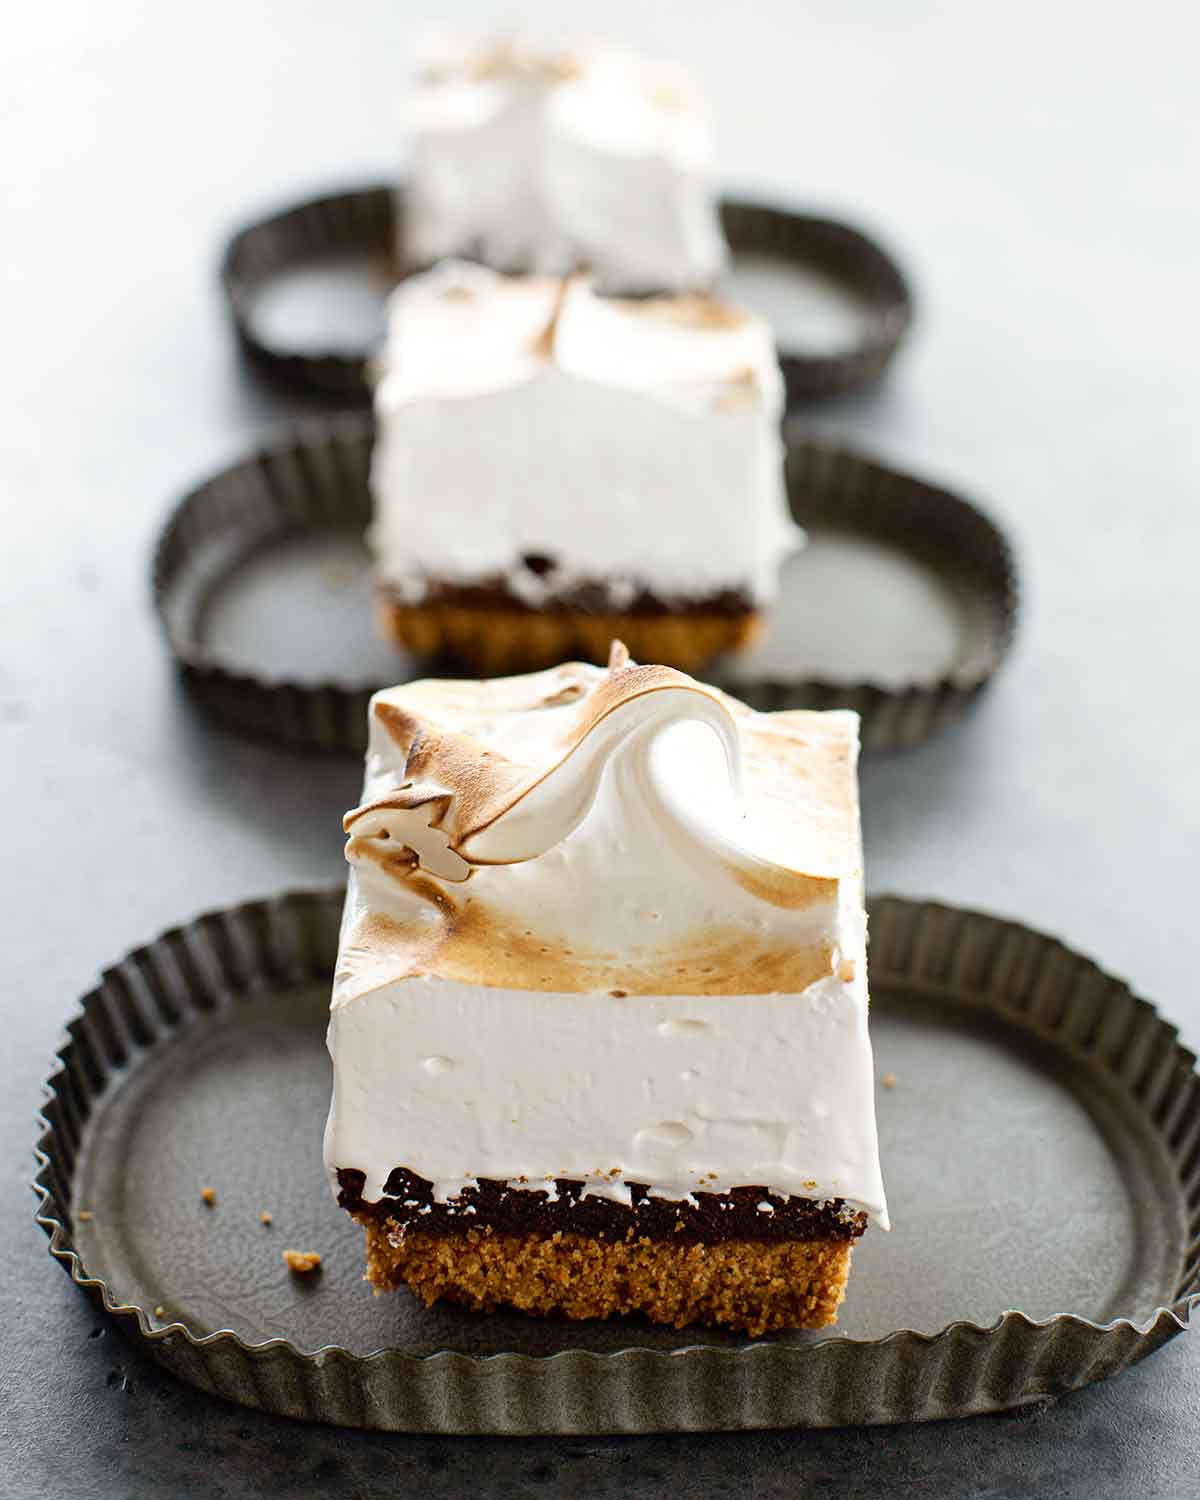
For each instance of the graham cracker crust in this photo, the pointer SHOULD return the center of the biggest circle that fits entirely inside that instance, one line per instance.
(739, 1284)
(496, 641)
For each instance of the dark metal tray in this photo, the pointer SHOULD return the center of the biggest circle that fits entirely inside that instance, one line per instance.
(902, 606)
(1041, 1145)
(306, 288)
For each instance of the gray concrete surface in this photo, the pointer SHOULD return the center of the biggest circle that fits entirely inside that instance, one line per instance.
(1035, 167)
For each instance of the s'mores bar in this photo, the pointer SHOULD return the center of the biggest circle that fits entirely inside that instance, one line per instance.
(599, 1023)
(553, 468)
(537, 160)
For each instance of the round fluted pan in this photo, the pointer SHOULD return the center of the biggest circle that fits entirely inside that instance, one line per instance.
(311, 490)
(251, 982)
(359, 228)
(852, 262)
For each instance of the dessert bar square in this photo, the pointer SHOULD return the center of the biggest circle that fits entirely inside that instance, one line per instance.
(599, 1025)
(553, 467)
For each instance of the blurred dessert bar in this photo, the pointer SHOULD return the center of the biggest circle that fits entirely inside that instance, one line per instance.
(599, 1024)
(554, 468)
(539, 161)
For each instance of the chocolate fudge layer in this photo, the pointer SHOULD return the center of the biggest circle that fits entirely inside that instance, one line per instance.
(746, 1213)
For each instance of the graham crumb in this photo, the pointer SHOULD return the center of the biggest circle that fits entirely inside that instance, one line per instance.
(208, 1195)
(85, 1215)
(302, 1261)
(888, 1080)
(754, 1287)
(266, 1217)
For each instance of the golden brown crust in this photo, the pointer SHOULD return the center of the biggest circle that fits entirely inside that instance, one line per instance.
(737, 1284)
(496, 641)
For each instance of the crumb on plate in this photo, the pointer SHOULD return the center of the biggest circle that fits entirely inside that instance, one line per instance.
(302, 1261)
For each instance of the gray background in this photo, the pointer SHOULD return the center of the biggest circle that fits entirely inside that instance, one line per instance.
(1034, 165)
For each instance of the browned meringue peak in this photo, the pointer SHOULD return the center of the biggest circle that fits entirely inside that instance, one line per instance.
(502, 57)
(690, 310)
(544, 344)
(467, 785)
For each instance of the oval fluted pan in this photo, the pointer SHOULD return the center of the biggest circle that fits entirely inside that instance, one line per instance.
(253, 978)
(359, 229)
(310, 491)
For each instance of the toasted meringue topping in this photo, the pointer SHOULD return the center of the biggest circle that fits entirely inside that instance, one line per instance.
(537, 159)
(460, 329)
(481, 846)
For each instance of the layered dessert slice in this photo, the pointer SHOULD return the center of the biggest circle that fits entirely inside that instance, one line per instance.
(599, 1024)
(553, 468)
(536, 160)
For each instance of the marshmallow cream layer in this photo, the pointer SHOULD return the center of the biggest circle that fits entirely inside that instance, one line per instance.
(630, 442)
(535, 161)
(605, 926)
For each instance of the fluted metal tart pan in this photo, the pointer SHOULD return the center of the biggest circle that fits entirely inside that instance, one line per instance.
(902, 606)
(345, 242)
(1040, 1132)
